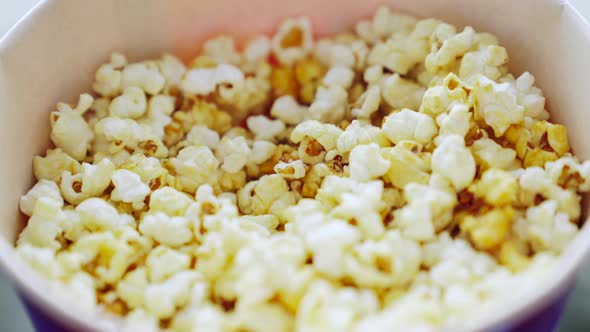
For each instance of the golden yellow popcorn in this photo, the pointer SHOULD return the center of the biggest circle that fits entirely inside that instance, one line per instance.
(496, 187)
(488, 230)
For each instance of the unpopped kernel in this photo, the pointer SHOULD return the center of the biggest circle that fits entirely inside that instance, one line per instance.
(392, 177)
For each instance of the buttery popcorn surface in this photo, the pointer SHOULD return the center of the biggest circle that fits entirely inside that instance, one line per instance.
(391, 177)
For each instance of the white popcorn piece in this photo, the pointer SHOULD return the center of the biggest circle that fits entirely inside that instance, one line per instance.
(41, 259)
(454, 161)
(429, 209)
(54, 164)
(487, 61)
(162, 299)
(293, 40)
(493, 154)
(131, 104)
(69, 130)
(43, 188)
(257, 49)
(107, 80)
(261, 152)
(456, 122)
(291, 170)
(409, 125)
(531, 97)
(171, 231)
(222, 49)
(368, 103)
(548, 229)
(451, 49)
(339, 76)
(203, 81)
(265, 128)
(535, 181)
(145, 76)
(329, 104)
(129, 188)
(233, 153)
(43, 227)
(401, 93)
(358, 133)
(194, 166)
(170, 201)
(326, 134)
(172, 69)
(286, 109)
(366, 163)
(497, 104)
(163, 262)
(329, 244)
(92, 181)
(132, 287)
(390, 261)
(202, 135)
(139, 320)
(97, 214)
(341, 56)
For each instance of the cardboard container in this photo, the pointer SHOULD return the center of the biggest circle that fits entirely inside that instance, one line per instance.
(51, 55)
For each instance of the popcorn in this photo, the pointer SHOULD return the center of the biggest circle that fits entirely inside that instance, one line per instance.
(428, 210)
(339, 76)
(456, 122)
(366, 163)
(264, 128)
(548, 229)
(329, 104)
(454, 161)
(163, 262)
(368, 103)
(497, 187)
(69, 131)
(261, 152)
(143, 75)
(131, 104)
(171, 231)
(108, 77)
(490, 154)
(233, 154)
(497, 105)
(194, 166)
(172, 69)
(162, 299)
(290, 170)
(358, 133)
(487, 61)
(222, 49)
(129, 188)
(132, 287)
(44, 225)
(287, 109)
(406, 166)
(257, 49)
(452, 93)
(43, 188)
(293, 40)
(326, 134)
(203, 81)
(451, 49)
(388, 262)
(401, 93)
(170, 201)
(409, 125)
(488, 230)
(535, 181)
(202, 135)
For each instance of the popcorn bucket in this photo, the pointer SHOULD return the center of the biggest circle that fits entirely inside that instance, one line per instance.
(52, 53)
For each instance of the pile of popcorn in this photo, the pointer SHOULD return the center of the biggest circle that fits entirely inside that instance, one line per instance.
(393, 177)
